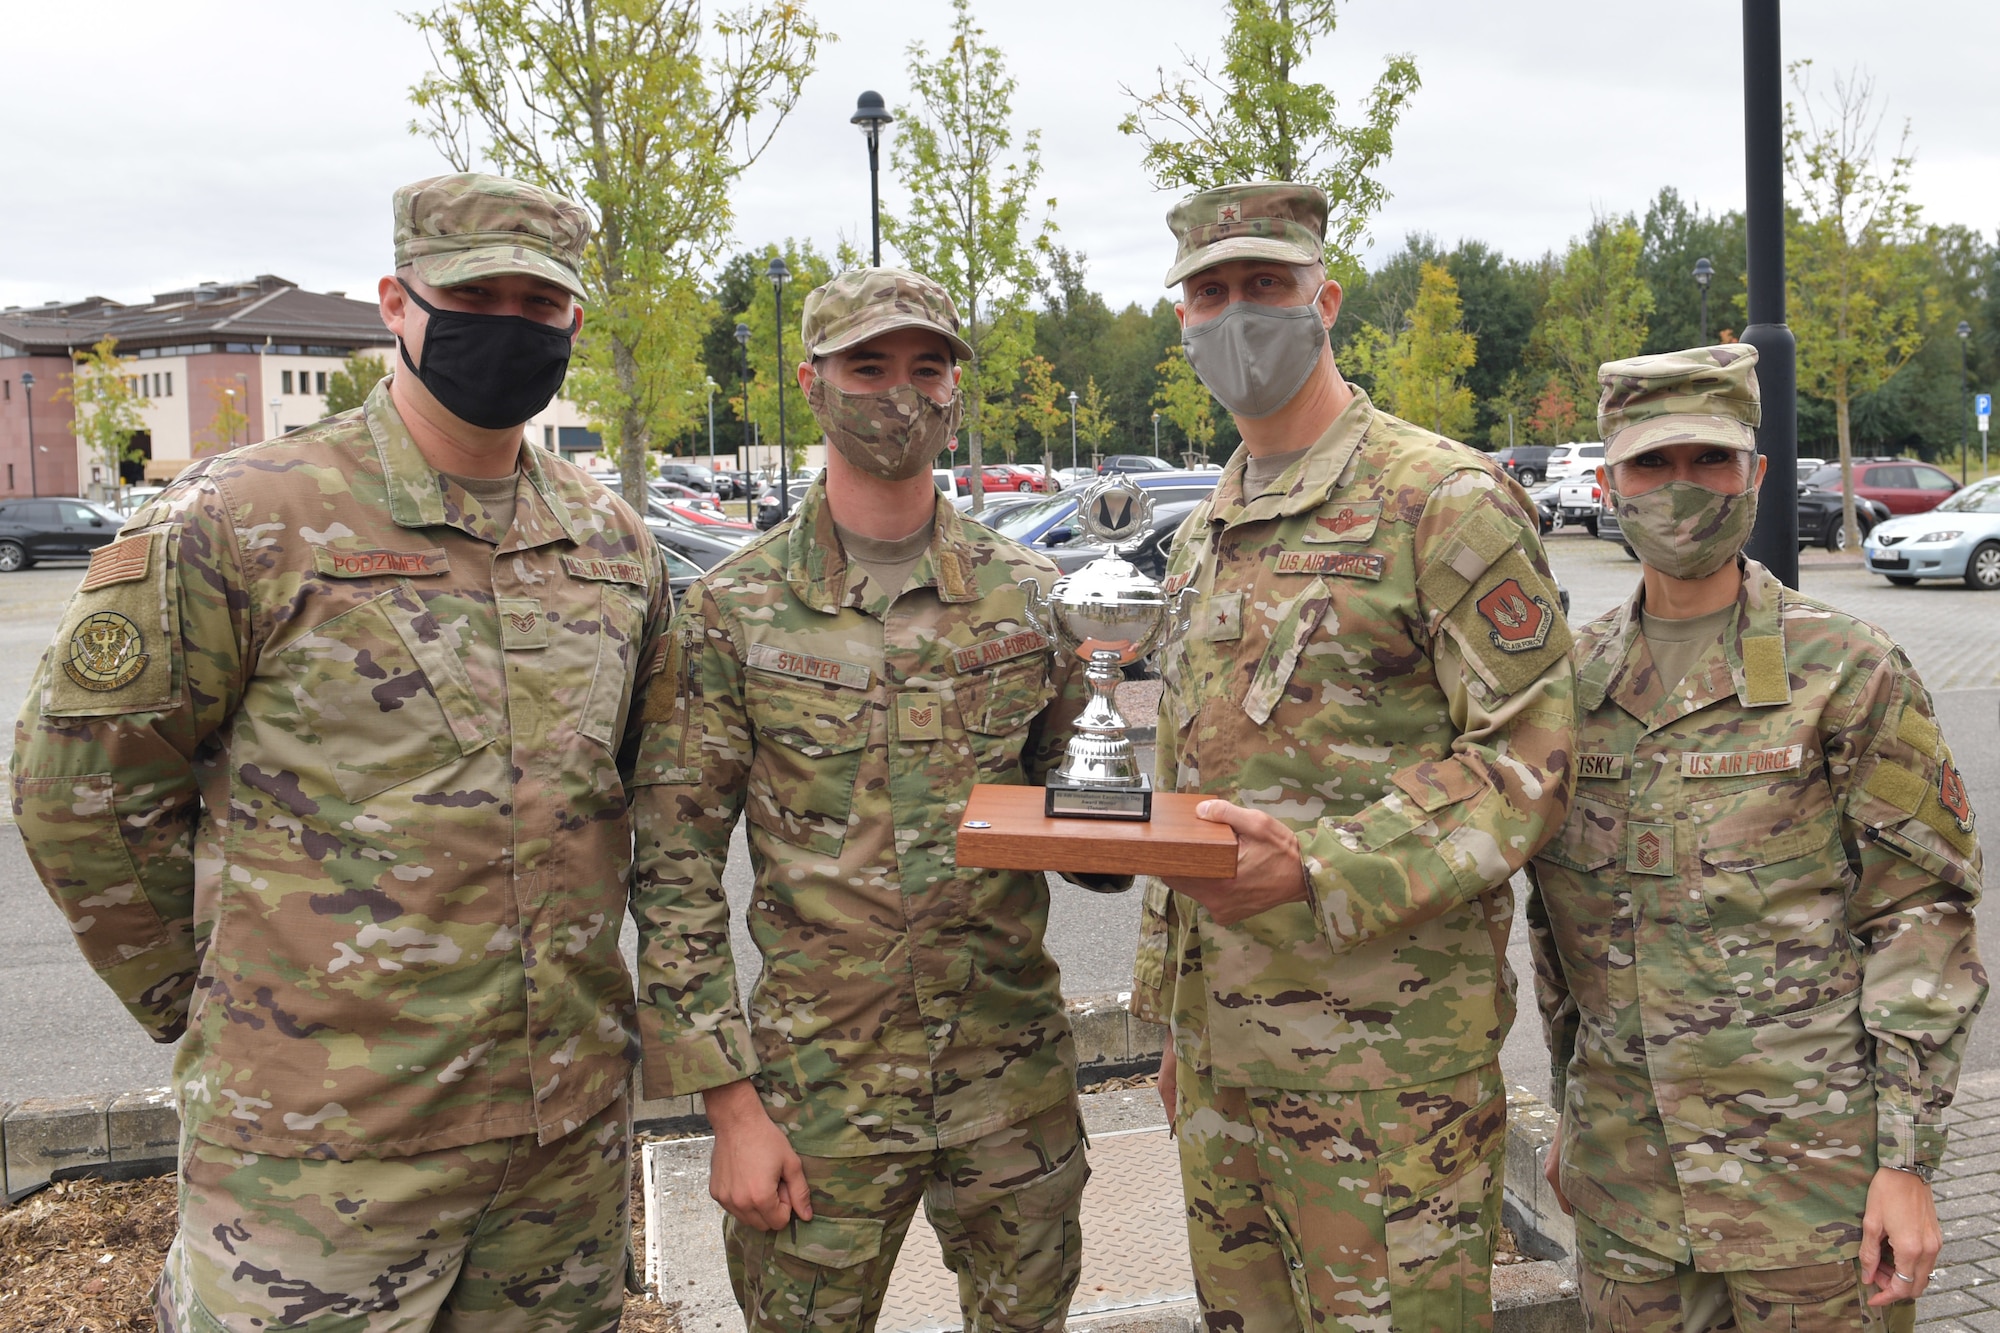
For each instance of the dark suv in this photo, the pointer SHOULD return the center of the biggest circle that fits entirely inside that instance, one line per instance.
(1525, 463)
(1134, 463)
(696, 475)
(46, 529)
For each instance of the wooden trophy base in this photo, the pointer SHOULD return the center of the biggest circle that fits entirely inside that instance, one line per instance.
(1004, 828)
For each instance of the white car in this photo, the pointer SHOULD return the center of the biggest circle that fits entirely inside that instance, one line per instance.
(1570, 461)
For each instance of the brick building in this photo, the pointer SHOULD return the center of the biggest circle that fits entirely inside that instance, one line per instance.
(265, 343)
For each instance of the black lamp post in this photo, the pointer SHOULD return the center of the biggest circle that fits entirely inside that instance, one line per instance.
(743, 453)
(1072, 430)
(778, 273)
(1964, 400)
(28, 387)
(1703, 273)
(871, 116)
(1775, 542)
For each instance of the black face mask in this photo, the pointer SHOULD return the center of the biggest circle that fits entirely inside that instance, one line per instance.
(491, 371)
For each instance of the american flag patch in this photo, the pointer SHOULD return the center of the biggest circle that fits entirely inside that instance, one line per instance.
(120, 562)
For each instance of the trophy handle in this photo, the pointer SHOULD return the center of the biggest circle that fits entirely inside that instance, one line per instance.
(1037, 609)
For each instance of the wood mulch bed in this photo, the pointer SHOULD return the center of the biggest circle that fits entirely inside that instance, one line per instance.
(82, 1257)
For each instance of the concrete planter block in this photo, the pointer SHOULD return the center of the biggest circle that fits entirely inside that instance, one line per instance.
(1146, 1038)
(1531, 1135)
(47, 1136)
(1101, 1037)
(144, 1127)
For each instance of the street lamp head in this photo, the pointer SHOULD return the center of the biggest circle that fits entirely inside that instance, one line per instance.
(743, 334)
(1072, 397)
(28, 380)
(1703, 271)
(870, 114)
(1964, 329)
(778, 272)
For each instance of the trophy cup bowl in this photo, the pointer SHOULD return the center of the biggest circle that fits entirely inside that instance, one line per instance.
(1110, 615)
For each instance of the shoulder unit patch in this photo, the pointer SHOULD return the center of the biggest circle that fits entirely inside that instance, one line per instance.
(1519, 621)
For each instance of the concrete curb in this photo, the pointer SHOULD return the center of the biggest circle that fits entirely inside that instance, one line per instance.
(134, 1134)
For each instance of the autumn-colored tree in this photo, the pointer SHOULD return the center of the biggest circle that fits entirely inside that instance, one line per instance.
(1857, 289)
(1555, 418)
(1093, 418)
(229, 419)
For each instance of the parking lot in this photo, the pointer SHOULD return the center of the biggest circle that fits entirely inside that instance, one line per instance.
(63, 1033)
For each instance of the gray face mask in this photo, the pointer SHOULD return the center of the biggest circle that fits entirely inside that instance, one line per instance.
(1254, 358)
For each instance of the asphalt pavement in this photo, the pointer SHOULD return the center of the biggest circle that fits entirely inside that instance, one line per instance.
(61, 1033)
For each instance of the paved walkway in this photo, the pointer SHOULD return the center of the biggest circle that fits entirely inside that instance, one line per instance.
(1964, 1294)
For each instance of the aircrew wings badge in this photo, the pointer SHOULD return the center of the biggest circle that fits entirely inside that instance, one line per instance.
(1519, 621)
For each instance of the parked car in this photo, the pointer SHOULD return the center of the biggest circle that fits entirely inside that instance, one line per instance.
(1134, 463)
(1001, 477)
(767, 504)
(681, 571)
(1075, 476)
(696, 475)
(1568, 462)
(134, 498)
(945, 481)
(701, 546)
(1960, 539)
(44, 529)
(994, 504)
(1578, 500)
(1048, 523)
(1903, 484)
(1526, 463)
(1819, 521)
(706, 516)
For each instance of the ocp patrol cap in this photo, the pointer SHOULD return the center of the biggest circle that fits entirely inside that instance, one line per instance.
(463, 227)
(1279, 220)
(866, 303)
(1706, 395)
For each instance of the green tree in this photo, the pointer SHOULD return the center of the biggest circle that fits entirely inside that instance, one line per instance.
(1419, 371)
(1185, 401)
(1676, 233)
(647, 113)
(107, 402)
(349, 387)
(810, 269)
(1596, 312)
(1857, 294)
(969, 222)
(1093, 422)
(1041, 406)
(1249, 119)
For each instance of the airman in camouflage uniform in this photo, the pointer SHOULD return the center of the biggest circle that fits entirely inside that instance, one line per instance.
(906, 1035)
(1754, 934)
(1377, 686)
(327, 769)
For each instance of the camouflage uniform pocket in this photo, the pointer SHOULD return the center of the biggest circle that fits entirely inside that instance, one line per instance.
(1003, 701)
(832, 1242)
(1440, 1213)
(619, 620)
(1775, 907)
(1811, 1299)
(809, 742)
(376, 705)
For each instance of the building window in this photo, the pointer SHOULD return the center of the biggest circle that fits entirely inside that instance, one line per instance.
(8, 387)
(170, 384)
(320, 378)
(549, 438)
(285, 378)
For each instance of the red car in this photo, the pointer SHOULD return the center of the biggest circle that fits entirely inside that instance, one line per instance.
(1000, 477)
(1904, 485)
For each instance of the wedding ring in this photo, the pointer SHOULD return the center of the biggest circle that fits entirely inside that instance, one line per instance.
(1904, 1277)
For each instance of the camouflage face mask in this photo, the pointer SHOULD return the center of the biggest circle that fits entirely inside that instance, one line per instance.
(893, 434)
(1687, 531)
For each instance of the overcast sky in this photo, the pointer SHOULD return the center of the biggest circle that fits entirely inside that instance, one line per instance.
(150, 146)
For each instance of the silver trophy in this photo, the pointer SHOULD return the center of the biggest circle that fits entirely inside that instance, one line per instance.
(1111, 615)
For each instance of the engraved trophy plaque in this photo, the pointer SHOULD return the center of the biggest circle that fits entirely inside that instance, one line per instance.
(1111, 615)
